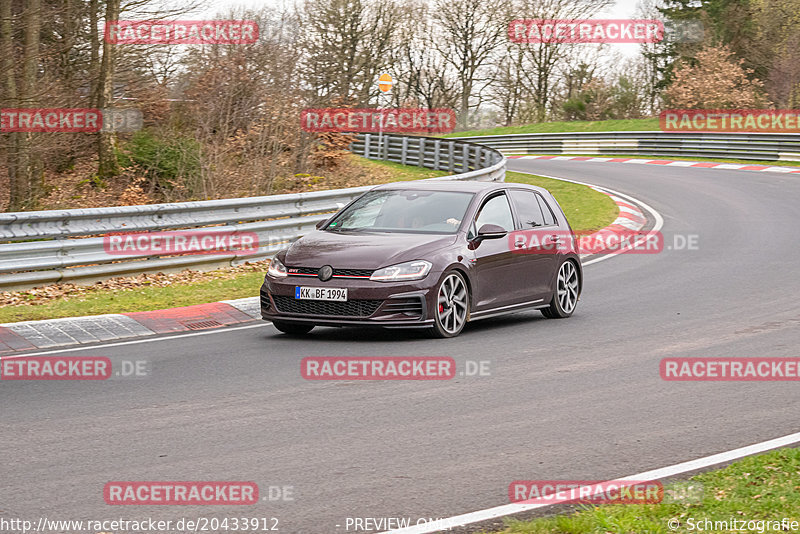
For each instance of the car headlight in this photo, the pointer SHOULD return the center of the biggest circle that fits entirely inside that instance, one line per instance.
(410, 270)
(277, 269)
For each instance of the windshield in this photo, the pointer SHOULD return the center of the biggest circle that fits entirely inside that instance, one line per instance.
(414, 211)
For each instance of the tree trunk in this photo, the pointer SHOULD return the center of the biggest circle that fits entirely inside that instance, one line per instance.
(29, 165)
(94, 61)
(106, 146)
(9, 100)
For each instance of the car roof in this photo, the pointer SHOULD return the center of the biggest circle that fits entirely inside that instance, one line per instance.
(455, 185)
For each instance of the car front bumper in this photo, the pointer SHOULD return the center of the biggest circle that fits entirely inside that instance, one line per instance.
(385, 304)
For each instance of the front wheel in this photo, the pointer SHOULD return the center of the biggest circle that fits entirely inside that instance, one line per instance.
(565, 295)
(295, 329)
(452, 306)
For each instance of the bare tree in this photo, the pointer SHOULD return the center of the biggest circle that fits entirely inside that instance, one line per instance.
(507, 91)
(423, 75)
(469, 34)
(545, 56)
(106, 141)
(346, 44)
(17, 184)
(28, 164)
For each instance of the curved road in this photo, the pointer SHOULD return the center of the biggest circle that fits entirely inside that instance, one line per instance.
(573, 399)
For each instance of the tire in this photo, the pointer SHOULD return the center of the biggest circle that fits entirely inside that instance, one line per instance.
(452, 306)
(565, 293)
(293, 329)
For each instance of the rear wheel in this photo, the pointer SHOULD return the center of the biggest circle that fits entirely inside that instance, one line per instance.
(452, 306)
(565, 295)
(295, 329)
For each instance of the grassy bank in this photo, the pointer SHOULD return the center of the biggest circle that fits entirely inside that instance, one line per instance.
(616, 125)
(758, 488)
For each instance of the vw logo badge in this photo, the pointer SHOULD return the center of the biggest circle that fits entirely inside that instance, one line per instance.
(325, 273)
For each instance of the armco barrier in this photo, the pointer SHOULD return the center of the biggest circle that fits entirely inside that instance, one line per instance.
(44, 247)
(747, 146)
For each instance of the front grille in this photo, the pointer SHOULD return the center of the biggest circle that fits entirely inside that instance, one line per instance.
(351, 308)
(265, 304)
(411, 306)
(337, 273)
(353, 272)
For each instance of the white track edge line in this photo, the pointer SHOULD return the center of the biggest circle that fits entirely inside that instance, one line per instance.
(654, 474)
(161, 337)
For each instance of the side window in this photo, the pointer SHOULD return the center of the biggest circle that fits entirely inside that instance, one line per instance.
(549, 218)
(495, 211)
(528, 209)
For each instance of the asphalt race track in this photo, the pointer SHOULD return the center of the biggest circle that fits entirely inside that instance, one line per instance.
(576, 399)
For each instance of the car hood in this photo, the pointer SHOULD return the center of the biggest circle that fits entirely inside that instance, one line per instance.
(363, 250)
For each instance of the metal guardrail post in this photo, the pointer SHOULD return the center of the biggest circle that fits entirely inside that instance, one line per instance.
(451, 162)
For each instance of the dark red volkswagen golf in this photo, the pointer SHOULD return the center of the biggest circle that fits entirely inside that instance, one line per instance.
(428, 254)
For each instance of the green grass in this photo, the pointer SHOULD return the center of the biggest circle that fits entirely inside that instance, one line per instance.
(585, 208)
(764, 487)
(615, 125)
(398, 171)
(679, 158)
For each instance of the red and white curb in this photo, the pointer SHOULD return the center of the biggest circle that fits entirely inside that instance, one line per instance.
(671, 163)
(630, 217)
(50, 333)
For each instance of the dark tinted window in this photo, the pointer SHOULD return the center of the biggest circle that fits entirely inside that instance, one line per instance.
(528, 210)
(496, 211)
(549, 218)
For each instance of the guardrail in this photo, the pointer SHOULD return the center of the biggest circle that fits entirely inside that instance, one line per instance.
(747, 146)
(45, 247)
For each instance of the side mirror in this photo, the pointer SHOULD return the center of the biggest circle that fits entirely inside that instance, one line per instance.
(491, 231)
(320, 224)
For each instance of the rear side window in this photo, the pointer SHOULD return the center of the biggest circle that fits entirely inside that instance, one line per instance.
(528, 209)
(549, 218)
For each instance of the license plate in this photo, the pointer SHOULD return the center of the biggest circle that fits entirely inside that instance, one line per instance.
(320, 293)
